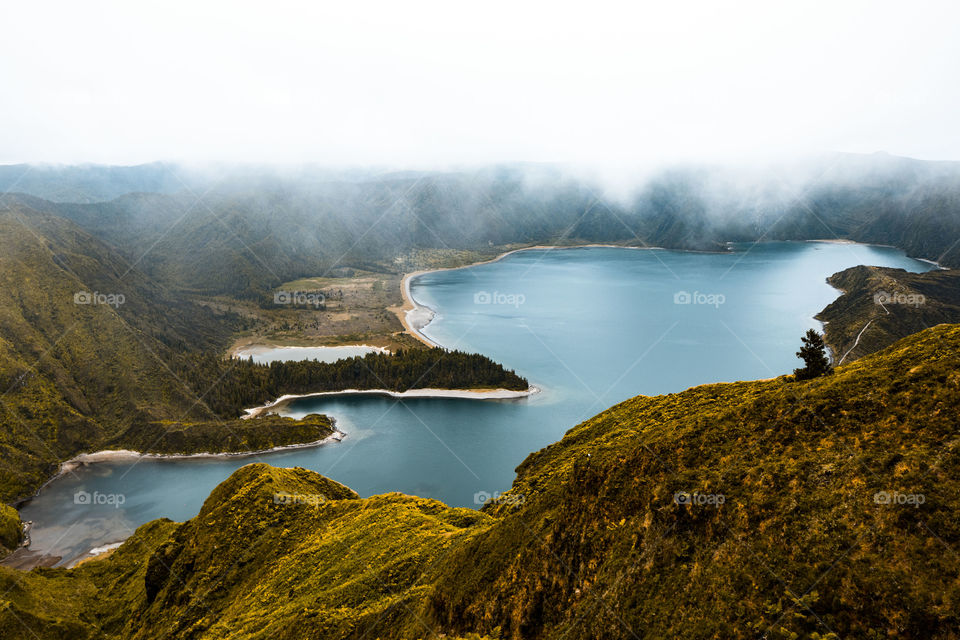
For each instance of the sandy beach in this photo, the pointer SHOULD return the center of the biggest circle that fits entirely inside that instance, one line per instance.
(243, 349)
(470, 394)
(936, 264)
(872, 244)
(836, 241)
(111, 455)
(414, 316)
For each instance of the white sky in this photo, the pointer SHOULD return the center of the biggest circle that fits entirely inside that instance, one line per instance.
(439, 82)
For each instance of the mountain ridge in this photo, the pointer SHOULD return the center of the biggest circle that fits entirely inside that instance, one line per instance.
(96, 354)
(243, 234)
(626, 506)
(878, 305)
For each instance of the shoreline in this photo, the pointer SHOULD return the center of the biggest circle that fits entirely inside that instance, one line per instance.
(840, 241)
(234, 350)
(112, 455)
(97, 553)
(934, 263)
(467, 394)
(874, 244)
(411, 307)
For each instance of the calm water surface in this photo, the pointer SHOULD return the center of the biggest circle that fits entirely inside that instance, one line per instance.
(266, 355)
(591, 327)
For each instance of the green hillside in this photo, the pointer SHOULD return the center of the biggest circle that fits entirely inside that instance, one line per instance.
(231, 386)
(800, 544)
(95, 354)
(74, 374)
(246, 231)
(775, 509)
(879, 306)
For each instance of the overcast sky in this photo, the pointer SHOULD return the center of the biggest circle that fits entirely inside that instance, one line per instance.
(452, 82)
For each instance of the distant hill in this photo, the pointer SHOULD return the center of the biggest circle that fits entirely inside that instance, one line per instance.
(243, 238)
(90, 183)
(95, 354)
(880, 305)
(776, 509)
(244, 231)
(84, 345)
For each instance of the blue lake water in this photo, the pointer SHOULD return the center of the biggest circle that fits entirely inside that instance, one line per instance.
(591, 327)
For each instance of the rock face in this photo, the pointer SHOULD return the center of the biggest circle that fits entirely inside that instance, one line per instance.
(775, 509)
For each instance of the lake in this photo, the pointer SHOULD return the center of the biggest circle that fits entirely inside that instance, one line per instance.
(590, 327)
(266, 355)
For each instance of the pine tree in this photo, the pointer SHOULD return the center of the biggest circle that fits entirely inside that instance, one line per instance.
(814, 356)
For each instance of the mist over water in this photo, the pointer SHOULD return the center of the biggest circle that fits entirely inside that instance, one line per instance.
(591, 327)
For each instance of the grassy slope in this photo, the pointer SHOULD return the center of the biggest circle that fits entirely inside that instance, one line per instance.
(234, 436)
(71, 374)
(10, 529)
(366, 558)
(589, 542)
(81, 377)
(76, 377)
(798, 463)
(244, 555)
(847, 316)
(250, 234)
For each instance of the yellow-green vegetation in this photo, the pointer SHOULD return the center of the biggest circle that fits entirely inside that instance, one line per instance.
(231, 386)
(95, 355)
(356, 310)
(90, 601)
(778, 509)
(819, 530)
(880, 305)
(74, 371)
(423, 259)
(259, 434)
(253, 564)
(367, 557)
(10, 529)
(81, 374)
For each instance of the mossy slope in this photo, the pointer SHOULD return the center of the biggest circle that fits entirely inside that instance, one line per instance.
(590, 542)
(320, 559)
(600, 548)
(234, 436)
(147, 371)
(880, 305)
(73, 375)
(10, 529)
(273, 553)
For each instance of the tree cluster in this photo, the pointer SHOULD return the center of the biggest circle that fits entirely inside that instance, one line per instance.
(230, 386)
